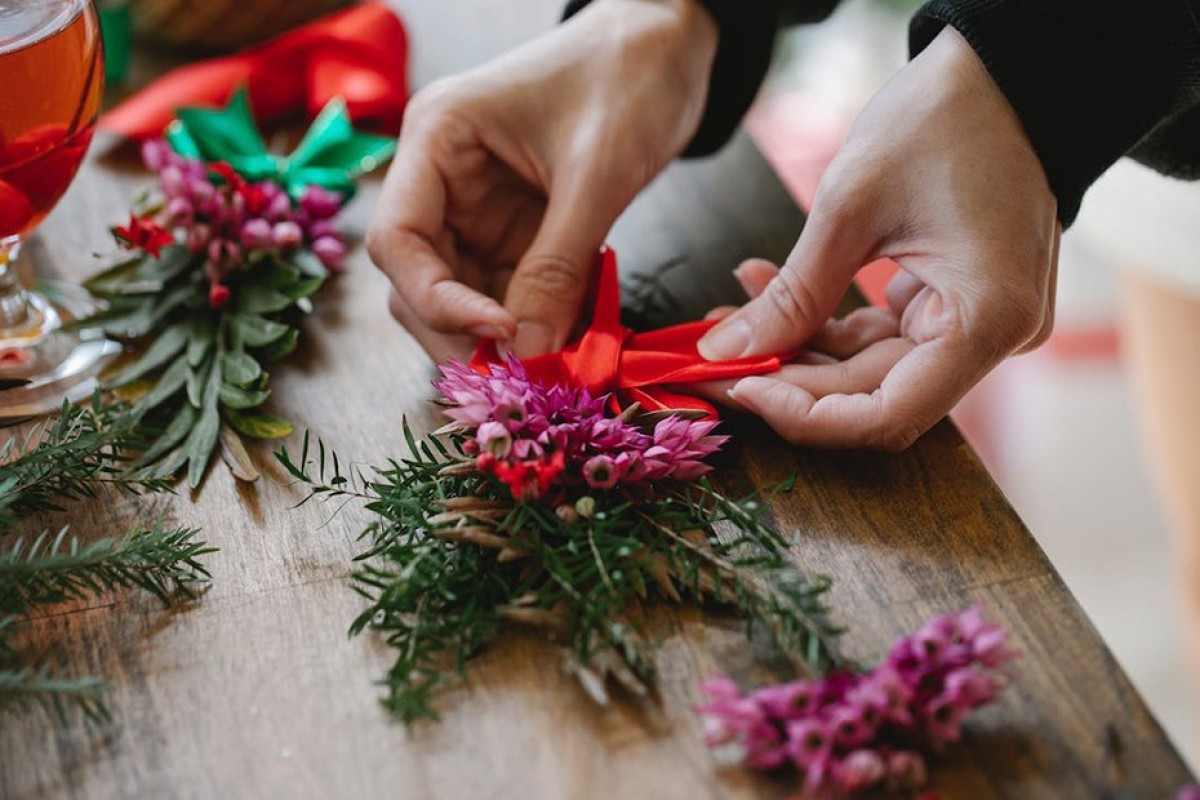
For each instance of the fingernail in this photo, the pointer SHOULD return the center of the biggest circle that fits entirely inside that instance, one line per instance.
(533, 339)
(485, 330)
(728, 340)
(739, 397)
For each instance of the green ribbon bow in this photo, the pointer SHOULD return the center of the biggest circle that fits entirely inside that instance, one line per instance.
(331, 155)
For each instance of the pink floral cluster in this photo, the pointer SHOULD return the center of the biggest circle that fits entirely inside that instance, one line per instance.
(848, 731)
(232, 222)
(541, 441)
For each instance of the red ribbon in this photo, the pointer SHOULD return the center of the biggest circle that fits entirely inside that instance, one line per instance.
(359, 55)
(634, 367)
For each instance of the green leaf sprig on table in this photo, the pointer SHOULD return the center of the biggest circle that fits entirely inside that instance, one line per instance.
(224, 258)
(82, 454)
(574, 533)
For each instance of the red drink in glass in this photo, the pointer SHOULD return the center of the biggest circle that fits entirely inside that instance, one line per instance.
(49, 99)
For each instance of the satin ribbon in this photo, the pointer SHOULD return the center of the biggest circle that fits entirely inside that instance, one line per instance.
(359, 55)
(633, 367)
(331, 155)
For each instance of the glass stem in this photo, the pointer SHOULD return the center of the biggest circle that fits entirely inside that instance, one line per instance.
(14, 305)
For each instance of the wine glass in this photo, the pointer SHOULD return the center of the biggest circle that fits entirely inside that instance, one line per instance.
(51, 80)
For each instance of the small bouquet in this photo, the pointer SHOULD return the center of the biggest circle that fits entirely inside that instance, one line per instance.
(535, 507)
(223, 257)
(849, 731)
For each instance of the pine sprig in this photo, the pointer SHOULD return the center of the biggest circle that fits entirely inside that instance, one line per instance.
(23, 688)
(450, 559)
(49, 569)
(85, 452)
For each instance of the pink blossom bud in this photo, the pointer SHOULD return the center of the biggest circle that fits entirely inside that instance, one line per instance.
(256, 234)
(600, 472)
(172, 181)
(279, 207)
(156, 154)
(323, 227)
(198, 236)
(216, 251)
(860, 769)
(287, 234)
(331, 251)
(320, 203)
(179, 212)
(203, 193)
(906, 770)
(494, 438)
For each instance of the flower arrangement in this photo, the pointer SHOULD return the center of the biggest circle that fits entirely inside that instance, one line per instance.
(538, 507)
(849, 731)
(220, 262)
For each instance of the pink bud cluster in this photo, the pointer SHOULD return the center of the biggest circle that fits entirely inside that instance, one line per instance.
(850, 731)
(233, 223)
(541, 441)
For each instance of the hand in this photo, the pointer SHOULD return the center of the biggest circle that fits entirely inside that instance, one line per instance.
(507, 178)
(938, 175)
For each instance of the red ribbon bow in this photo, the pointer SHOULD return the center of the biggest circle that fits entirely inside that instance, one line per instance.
(633, 367)
(359, 55)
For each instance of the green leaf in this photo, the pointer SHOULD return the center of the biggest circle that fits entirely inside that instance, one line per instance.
(171, 437)
(170, 382)
(195, 385)
(282, 347)
(200, 339)
(258, 298)
(303, 288)
(258, 331)
(173, 262)
(203, 438)
(240, 369)
(308, 264)
(259, 424)
(240, 398)
(111, 280)
(168, 343)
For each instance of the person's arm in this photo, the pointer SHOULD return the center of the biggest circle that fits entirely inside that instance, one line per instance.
(1089, 79)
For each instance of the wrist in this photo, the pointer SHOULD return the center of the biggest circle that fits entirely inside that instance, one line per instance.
(681, 32)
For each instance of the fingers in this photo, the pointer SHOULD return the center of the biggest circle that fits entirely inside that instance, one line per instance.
(402, 241)
(845, 337)
(754, 274)
(440, 346)
(797, 301)
(917, 391)
(548, 287)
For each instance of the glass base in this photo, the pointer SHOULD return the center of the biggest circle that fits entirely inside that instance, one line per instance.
(40, 363)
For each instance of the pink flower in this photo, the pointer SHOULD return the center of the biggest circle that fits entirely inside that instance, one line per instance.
(320, 203)
(906, 770)
(287, 234)
(787, 700)
(600, 472)
(494, 438)
(861, 769)
(332, 252)
(256, 234)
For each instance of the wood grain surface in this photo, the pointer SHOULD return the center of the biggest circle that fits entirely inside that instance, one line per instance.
(256, 692)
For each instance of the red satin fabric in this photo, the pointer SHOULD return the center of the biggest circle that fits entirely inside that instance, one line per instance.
(634, 367)
(360, 55)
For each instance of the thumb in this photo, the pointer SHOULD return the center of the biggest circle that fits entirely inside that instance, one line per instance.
(547, 289)
(797, 301)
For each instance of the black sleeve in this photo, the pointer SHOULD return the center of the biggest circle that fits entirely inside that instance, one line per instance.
(747, 38)
(1090, 80)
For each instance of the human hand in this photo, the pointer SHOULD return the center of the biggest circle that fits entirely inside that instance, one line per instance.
(938, 175)
(507, 178)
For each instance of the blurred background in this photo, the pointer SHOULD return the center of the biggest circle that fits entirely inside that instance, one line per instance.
(1056, 428)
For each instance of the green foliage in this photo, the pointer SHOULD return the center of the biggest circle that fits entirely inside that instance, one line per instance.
(450, 559)
(83, 453)
(203, 368)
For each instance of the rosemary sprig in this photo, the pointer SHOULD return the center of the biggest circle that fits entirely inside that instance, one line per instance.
(449, 559)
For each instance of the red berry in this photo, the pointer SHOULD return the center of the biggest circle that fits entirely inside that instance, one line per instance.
(218, 295)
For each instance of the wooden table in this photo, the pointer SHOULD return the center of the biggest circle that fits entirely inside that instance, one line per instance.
(256, 691)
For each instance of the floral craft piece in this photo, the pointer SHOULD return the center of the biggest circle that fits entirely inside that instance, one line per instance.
(534, 507)
(851, 731)
(224, 256)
